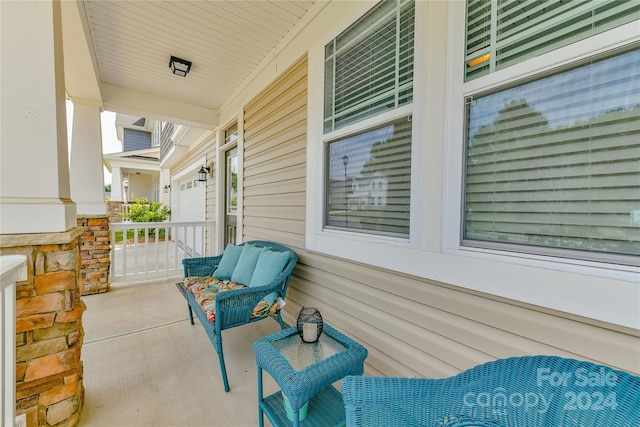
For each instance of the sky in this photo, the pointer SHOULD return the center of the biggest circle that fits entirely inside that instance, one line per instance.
(110, 143)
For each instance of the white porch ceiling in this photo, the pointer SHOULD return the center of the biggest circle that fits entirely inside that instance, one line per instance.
(130, 42)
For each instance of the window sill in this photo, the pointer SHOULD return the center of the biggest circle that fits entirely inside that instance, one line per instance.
(603, 292)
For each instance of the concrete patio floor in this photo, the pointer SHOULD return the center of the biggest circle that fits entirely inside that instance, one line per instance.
(145, 365)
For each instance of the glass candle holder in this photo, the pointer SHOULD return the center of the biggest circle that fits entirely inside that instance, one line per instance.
(309, 324)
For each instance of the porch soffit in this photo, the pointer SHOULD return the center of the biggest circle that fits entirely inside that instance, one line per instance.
(127, 46)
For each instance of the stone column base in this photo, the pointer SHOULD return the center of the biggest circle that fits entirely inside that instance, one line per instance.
(94, 252)
(49, 332)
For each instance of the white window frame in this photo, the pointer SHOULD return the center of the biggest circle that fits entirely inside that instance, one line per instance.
(221, 149)
(594, 291)
(590, 47)
(576, 286)
(358, 246)
(378, 122)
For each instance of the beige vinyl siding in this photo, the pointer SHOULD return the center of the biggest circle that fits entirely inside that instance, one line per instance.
(275, 125)
(410, 326)
(211, 183)
(413, 327)
(140, 186)
(210, 197)
(165, 196)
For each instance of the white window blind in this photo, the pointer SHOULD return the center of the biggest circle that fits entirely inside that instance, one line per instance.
(504, 32)
(369, 180)
(369, 67)
(555, 163)
(231, 134)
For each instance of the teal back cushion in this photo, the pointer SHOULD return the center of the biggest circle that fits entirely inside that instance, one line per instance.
(268, 267)
(228, 262)
(246, 264)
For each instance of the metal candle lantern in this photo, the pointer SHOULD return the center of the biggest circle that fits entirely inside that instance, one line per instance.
(309, 324)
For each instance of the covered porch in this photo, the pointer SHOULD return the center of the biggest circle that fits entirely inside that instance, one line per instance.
(427, 293)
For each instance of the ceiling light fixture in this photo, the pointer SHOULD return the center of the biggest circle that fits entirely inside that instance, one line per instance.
(179, 67)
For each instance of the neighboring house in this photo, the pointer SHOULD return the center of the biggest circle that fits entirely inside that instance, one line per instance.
(138, 172)
(366, 192)
(184, 192)
(135, 170)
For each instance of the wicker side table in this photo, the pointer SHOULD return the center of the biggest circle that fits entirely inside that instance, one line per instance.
(305, 373)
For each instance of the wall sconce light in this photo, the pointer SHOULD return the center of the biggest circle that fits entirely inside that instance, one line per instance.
(167, 188)
(179, 67)
(202, 174)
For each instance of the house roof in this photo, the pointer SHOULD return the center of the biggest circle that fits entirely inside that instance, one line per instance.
(134, 161)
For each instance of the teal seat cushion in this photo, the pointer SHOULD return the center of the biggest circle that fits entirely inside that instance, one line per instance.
(269, 266)
(270, 299)
(228, 262)
(246, 264)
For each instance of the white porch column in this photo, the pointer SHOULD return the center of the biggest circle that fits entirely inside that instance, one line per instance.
(85, 163)
(116, 184)
(34, 169)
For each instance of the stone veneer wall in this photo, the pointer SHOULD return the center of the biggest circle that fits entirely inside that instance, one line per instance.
(49, 332)
(114, 211)
(94, 252)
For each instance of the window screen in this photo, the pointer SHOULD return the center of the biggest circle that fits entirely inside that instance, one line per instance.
(504, 32)
(555, 163)
(369, 67)
(368, 180)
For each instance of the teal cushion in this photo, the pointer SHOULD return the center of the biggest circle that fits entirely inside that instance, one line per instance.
(246, 264)
(228, 262)
(270, 298)
(268, 267)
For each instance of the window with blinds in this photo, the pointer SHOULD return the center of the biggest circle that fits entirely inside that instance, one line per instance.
(553, 165)
(369, 67)
(231, 134)
(501, 33)
(368, 72)
(368, 180)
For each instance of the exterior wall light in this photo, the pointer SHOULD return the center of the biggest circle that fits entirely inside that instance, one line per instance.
(167, 188)
(179, 67)
(202, 174)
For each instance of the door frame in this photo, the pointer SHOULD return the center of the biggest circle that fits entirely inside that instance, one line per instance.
(221, 181)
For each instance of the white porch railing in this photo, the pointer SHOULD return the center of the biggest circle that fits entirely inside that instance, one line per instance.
(147, 250)
(13, 268)
(126, 208)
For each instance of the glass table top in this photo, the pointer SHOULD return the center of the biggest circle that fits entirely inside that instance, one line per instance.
(300, 354)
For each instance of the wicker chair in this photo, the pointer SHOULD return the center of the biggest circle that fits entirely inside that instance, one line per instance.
(234, 307)
(531, 391)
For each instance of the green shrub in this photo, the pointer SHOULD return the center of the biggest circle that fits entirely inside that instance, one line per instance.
(145, 211)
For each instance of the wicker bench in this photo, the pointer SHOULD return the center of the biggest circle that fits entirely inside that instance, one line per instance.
(226, 301)
(531, 391)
